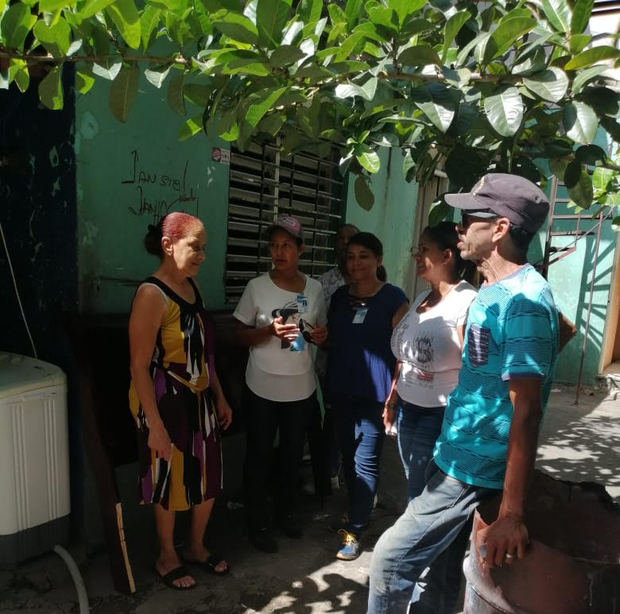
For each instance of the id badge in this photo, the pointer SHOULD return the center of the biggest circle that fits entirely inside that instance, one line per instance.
(360, 315)
(302, 303)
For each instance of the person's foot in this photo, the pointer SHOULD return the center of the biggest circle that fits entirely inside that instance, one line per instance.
(167, 564)
(350, 546)
(262, 539)
(199, 555)
(290, 526)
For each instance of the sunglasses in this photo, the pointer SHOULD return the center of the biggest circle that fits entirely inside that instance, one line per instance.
(467, 219)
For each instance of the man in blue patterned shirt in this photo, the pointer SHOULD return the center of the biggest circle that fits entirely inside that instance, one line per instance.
(490, 429)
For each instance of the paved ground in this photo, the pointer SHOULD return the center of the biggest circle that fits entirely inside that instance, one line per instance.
(577, 443)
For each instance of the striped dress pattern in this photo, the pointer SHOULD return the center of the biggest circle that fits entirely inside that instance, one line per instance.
(181, 368)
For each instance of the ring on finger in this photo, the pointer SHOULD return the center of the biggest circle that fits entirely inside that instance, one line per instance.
(508, 556)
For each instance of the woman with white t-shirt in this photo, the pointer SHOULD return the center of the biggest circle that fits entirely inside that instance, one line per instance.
(279, 314)
(427, 344)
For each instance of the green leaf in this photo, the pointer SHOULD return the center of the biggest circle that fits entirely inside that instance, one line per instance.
(271, 18)
(612, 127)
(504, 36)
(404, 8)
(48, 6)
(590, 154)
(368, 159)
(505, 111)
(84, 80)
(436, 102)
(56, 39)
(615, 224)
(309, 11)
(578, 42)
(580, 191)
(285, 55)
(50, 89)
(18, 72)
(176, 101)
(604, 100)
(197, 94)
(272, 123)
(15, 25)
(602, 177)
(156, 75)
(237, 27)
(352, 12)
(558, 14)
(363, 194)
(123, 92)
(94, 6)
(125, 16)
(572, 174)
(190, 127)
(558, 167)
(580, 122)
(550, 84)
(582, 9)
(453, 27)
(148, 22)
(438, 212)
(419, 55)
(586, 75)
(268, 100)
(108, 68)
(592, 56)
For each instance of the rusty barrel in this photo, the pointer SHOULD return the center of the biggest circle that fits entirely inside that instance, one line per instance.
(572, 565)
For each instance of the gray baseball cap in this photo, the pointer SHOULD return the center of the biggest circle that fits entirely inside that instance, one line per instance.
(504, 195)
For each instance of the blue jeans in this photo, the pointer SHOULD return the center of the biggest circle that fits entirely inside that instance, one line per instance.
(418, 428)
(428, 534)
(361, 433)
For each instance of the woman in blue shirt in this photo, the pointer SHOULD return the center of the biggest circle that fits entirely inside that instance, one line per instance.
(361, 318)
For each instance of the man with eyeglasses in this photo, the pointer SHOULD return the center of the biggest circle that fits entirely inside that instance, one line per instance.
(489, 435)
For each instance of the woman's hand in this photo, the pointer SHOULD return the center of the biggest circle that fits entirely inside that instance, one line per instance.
(224, 413)
(389, 414)
(286, 332)
(159, 441)
(319, 335)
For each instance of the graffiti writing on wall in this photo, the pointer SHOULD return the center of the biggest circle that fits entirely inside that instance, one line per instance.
(156, 193)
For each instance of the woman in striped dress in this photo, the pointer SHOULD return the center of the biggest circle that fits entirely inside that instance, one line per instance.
(176, 398)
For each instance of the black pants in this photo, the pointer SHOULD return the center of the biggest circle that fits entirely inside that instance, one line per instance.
(263, 419)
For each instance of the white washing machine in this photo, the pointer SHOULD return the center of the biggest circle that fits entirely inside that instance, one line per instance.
(34, 458)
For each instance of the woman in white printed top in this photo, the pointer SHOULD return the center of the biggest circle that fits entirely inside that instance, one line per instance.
(279, 314)
(427, 344)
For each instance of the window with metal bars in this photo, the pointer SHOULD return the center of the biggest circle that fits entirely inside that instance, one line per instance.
(264, 185)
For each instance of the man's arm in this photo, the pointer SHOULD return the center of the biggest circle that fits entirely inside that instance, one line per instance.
(508, 535)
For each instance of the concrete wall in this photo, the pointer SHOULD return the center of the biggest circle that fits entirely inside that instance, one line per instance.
(128, 176)
(392, 217)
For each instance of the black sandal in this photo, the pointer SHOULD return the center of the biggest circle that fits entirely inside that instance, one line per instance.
(210, 563)
(169, 578)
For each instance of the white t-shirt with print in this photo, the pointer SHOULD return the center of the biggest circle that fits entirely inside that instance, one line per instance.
(276, 369)
(428, 346)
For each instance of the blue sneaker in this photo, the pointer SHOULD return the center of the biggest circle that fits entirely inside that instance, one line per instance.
(350, 546)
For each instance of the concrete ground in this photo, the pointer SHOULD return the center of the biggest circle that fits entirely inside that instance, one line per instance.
(578, 443)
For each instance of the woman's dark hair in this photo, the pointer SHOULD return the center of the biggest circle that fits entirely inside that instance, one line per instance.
(444, 235)
(175, 225)
(371, 242)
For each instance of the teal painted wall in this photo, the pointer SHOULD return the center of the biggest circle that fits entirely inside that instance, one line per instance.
(128, 175)
(392, 217)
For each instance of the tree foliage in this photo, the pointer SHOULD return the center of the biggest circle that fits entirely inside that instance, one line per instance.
(501, 85)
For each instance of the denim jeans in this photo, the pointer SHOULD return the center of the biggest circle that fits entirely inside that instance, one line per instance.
(361, 433)
(428, 534)
(264, 418)
(418, 428)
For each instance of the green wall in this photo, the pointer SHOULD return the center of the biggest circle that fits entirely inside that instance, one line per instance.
(128, 175)
(392, 217)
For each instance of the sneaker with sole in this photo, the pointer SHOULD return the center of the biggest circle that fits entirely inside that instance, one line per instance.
(350, 546)
(263, 540)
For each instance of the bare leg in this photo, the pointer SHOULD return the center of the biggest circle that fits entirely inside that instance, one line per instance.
(196, 550)
(168, 558)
